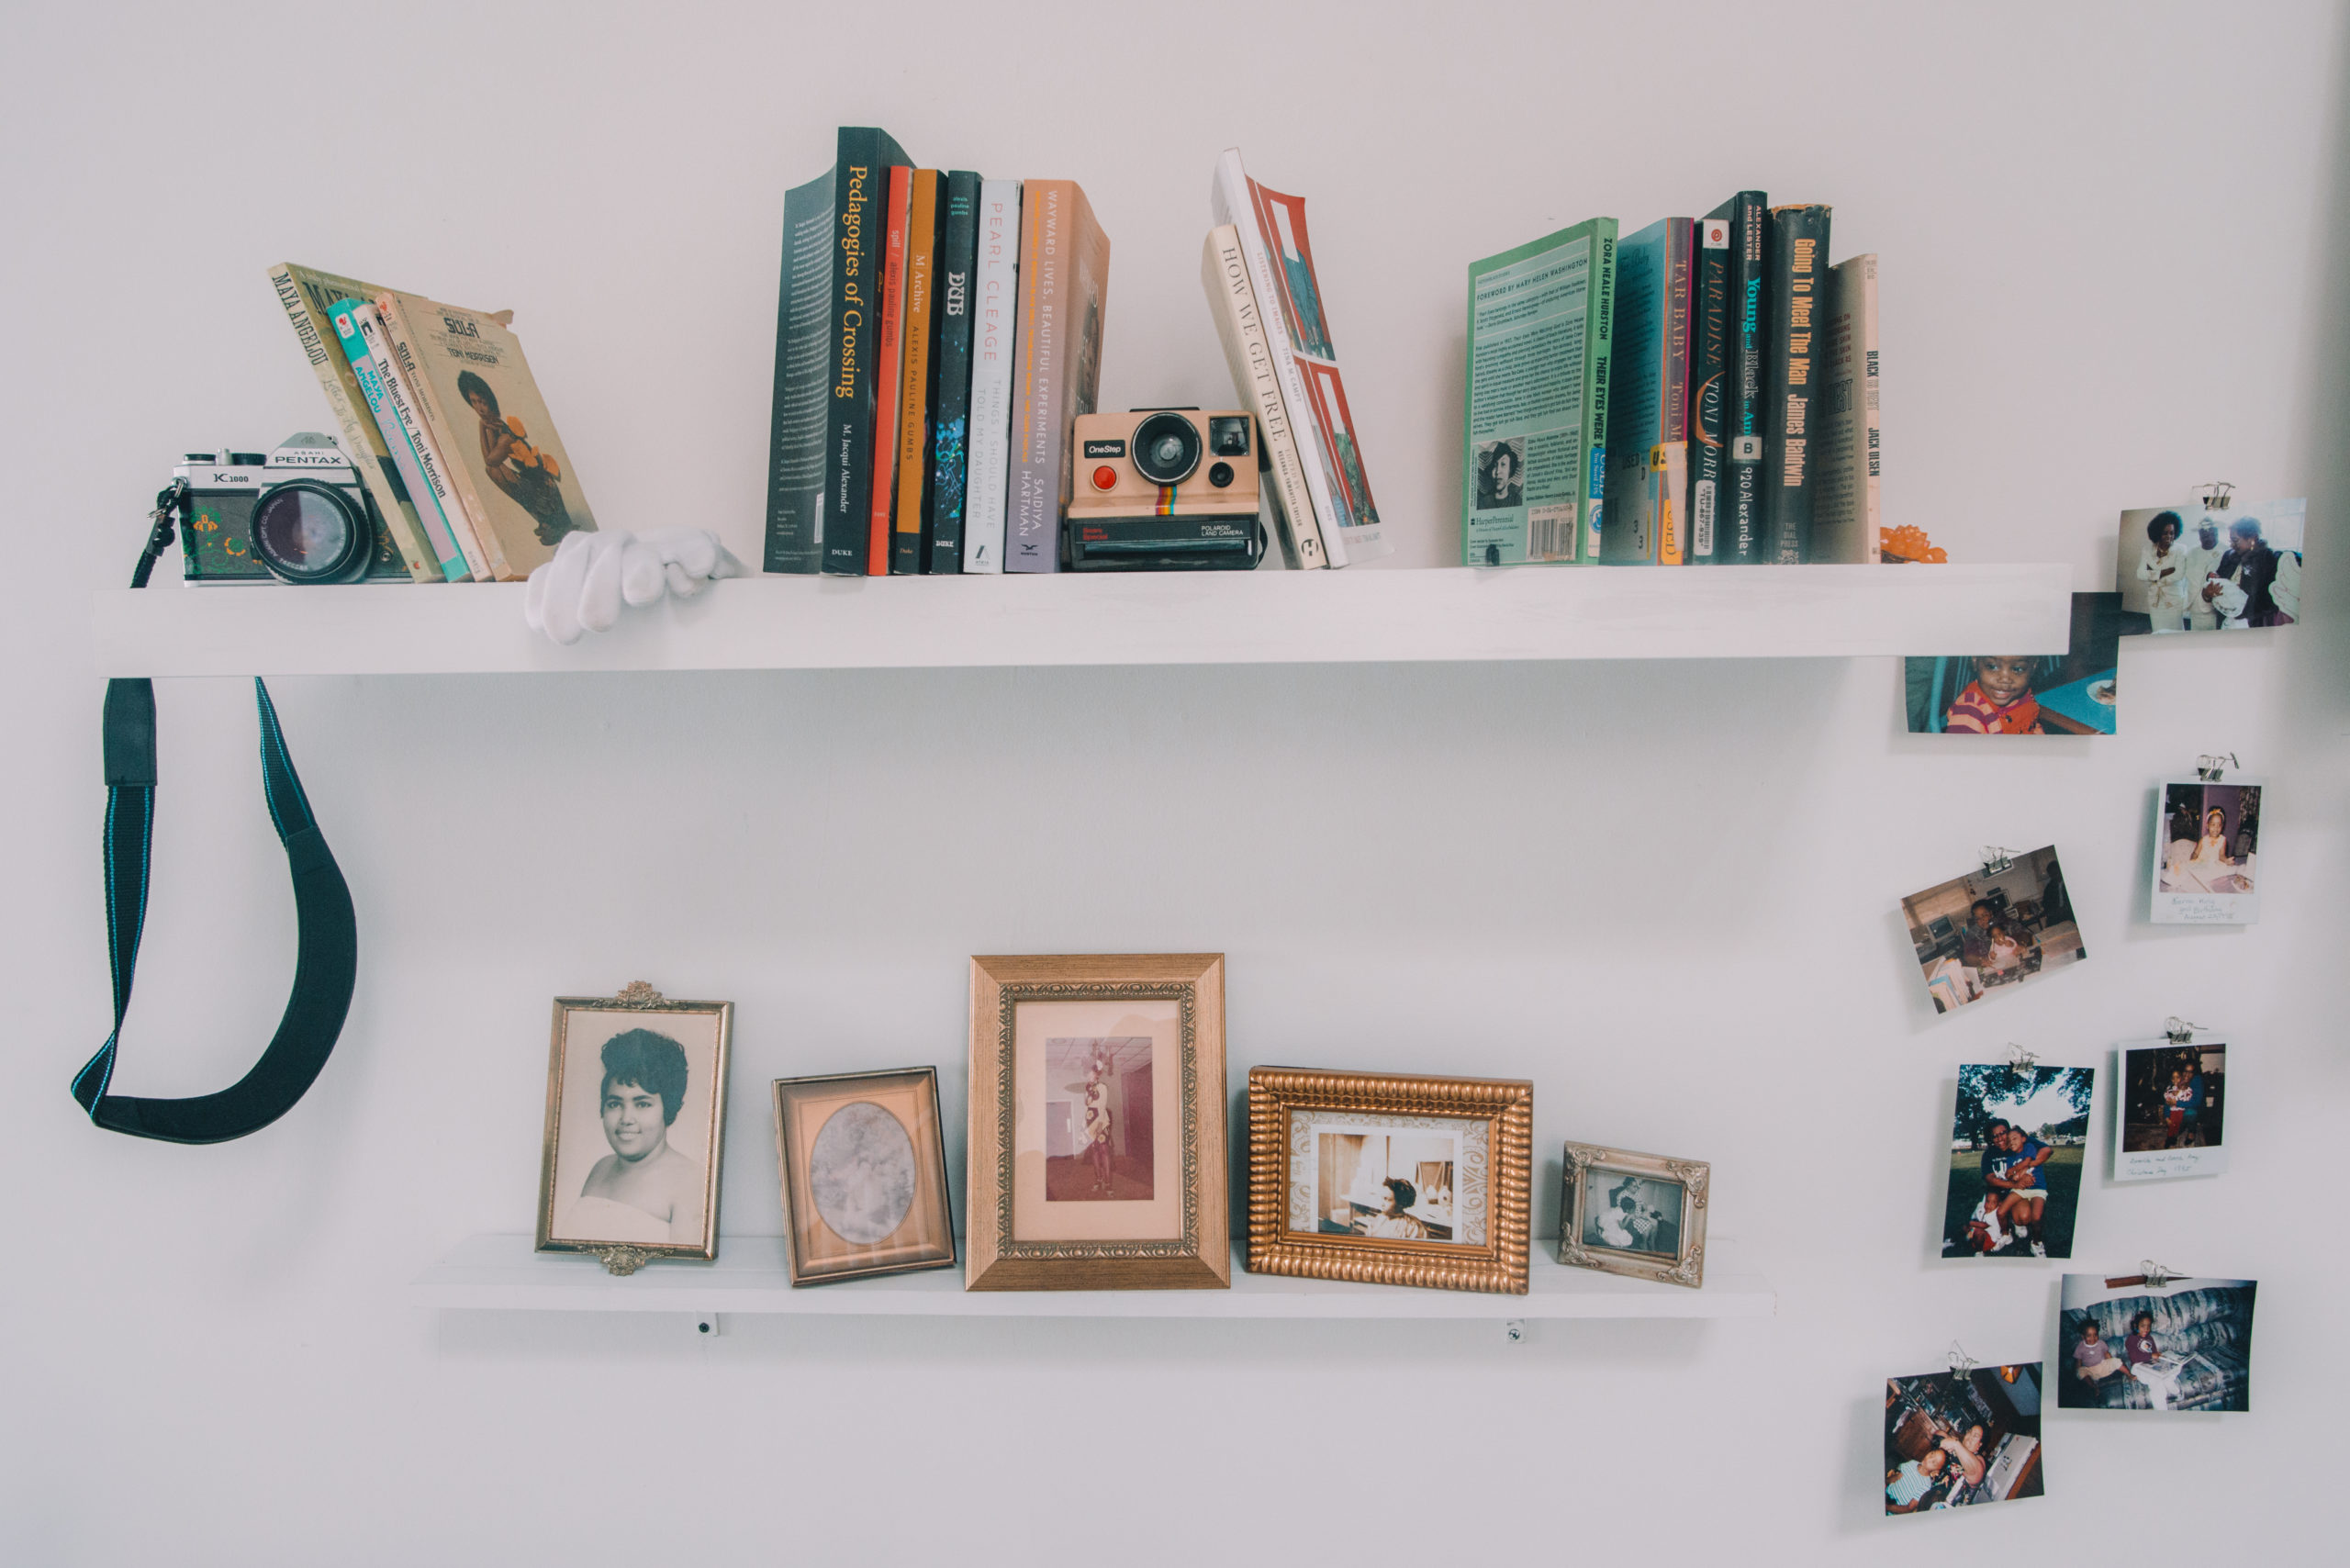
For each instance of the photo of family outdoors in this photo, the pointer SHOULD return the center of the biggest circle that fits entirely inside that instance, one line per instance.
(2018, 1144)
(2186, 1345)
(2189, 569)
(2206, 848)
(1976, 934)
(1953, 1439)
(2174, 1110)
(2071, 693)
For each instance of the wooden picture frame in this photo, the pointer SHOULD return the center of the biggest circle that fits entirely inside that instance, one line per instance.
(861, 1158)
(1391, 1181)
(1096, 1157)
(1612, 1215)
(629, 1192)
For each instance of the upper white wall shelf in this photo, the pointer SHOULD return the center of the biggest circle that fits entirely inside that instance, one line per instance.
(502, 1273)
(1358, 616)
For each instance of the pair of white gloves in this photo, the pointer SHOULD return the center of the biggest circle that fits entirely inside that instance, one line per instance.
(592, 575)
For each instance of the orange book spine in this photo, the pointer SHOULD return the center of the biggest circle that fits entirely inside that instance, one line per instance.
(886, 377)
(913, 421)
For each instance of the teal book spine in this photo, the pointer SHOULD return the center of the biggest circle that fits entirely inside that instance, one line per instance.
(346, 315)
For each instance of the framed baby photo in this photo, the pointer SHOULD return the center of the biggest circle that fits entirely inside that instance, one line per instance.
(2042, 693)
(864, 1164)
(2172, 1116)
(1389, 1180)
(1641, 1214)
(2008, 924)
(1096, 1155)
(2207, 853)
(636, 1114)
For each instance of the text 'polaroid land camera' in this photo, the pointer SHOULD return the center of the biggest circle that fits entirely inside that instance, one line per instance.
(1165, 490)
(298, 516)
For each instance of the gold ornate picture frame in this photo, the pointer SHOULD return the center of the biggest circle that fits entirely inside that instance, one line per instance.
(1388, 1180)
(635, 1129)
(862, 1158)
(1096, 1155)
(1639, 1215)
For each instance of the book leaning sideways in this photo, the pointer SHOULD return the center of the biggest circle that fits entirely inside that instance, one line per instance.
(362, 333)
(1534, 445)
(1280, 254)
(485, 417)
(306, 295)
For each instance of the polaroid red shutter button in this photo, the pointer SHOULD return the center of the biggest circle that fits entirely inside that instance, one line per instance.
(1105, 477)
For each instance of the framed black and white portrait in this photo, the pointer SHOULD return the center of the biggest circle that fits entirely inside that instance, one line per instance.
(1641, 1214)
(636, 1112)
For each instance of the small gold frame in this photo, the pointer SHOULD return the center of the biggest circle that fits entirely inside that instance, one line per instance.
(1585, 1163)
(626, 1256)
(1505, 1107)
(929, 1245)
(1199, 1254)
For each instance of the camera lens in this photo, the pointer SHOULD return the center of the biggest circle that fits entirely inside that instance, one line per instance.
(1166, 448)
(304, 531)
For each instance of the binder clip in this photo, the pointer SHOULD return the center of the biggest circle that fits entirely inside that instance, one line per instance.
(1961, 1363)
(2151, 1274)
(2214, 496)
(2019, 1058)
(2209, 767)
(1996, 860)
(2180, 1031)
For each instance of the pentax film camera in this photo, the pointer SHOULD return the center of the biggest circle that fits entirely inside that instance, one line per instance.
(297, 515)
(1164, 490)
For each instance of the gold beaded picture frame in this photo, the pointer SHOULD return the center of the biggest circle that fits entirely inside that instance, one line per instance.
(1387, 1179)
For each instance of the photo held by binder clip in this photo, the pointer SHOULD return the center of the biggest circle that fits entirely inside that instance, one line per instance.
(1963, 1437)
(2172, 1111)
(2207, 847)
(2004, 925)
(2213, 565)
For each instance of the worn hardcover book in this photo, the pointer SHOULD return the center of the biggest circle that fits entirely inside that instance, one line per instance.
(995, 314)
(1534, 441)
(950, 373)
(361, 331)
(1799, 307)
(1647, 400)
(1279, 253)
(1741, 507)
(889, 371)
(306, 294)
(1240, 325)
(1709, 353)
(491, 427)
(1057, 362)
(802, 405)
(863, 157)
(404, 398)
(1845, 514)
(914, 382)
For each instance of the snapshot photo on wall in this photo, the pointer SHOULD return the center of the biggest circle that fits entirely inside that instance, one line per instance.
(1993, 930)
(2207, 852)
(2191, 569)
(636, 1106)
(2071, 693)
(2179, 1344)
(1956, 1439)
(863, 1165)
(2173, 1117)
(2018, 1141)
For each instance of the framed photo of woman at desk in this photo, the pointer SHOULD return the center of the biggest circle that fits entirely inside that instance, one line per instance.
(2207, 853)
(1096, 1143)
(636, 1111)
(1390, 1181)
(1641, 1214)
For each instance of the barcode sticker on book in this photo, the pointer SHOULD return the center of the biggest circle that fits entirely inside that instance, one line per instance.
(1550, 531)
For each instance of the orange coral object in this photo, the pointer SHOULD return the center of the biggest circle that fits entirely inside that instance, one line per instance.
(1909, 542)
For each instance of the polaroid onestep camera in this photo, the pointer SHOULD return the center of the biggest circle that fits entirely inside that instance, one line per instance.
(1164, 490)
(298, 515)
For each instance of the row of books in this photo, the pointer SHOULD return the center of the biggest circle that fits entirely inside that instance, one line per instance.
(938, 334)
(439, 412)
(1702, 392)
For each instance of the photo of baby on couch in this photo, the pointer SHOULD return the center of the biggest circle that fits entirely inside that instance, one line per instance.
(2130, 1345)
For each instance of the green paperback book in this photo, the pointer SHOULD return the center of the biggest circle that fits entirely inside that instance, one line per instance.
(1534, 443)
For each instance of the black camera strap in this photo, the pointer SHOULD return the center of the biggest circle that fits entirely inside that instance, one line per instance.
(328, 958)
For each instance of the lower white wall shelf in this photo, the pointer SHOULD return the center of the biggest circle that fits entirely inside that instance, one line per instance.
(501, 1274)
(1366, 615)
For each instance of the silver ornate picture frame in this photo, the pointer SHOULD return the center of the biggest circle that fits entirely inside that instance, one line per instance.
(1637, 1214)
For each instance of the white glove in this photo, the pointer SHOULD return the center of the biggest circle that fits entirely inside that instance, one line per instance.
(582, 588)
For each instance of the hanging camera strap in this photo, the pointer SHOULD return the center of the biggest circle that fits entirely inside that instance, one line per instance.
(328, 959)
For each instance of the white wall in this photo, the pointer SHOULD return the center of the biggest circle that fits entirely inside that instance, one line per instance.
(2111, 242)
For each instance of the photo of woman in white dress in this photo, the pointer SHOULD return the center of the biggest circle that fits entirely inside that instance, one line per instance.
(636, 1112)
(643, 1191)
